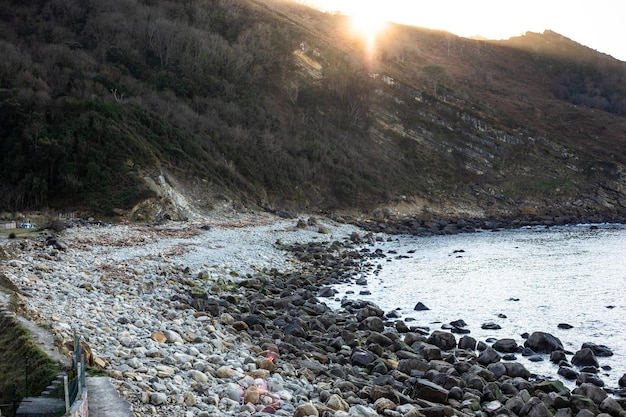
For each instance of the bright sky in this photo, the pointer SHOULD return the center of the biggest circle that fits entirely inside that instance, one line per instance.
(598, 24)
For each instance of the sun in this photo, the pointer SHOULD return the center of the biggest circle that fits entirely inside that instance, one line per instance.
(367, 20)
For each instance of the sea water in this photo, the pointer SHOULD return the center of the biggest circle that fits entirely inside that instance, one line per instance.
(524, 280)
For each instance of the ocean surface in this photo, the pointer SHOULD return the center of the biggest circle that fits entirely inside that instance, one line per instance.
(525, 280)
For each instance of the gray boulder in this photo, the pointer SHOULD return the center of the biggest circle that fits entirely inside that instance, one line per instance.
(505, 345)
(542, 342)
(443, 340)
(467, 342)
(430, 391)
(487, 356)
(585, 357)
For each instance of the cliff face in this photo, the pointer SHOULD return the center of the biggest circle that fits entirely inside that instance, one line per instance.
(274, 104)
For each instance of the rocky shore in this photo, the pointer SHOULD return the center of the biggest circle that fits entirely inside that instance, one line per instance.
(389, 222)
(228, 318)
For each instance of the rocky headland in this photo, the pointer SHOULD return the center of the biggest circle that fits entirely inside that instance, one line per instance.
(228, 318)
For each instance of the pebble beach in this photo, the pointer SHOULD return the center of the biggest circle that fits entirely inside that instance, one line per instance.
(226, 317)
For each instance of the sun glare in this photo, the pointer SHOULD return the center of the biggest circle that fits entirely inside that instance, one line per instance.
(367, 22)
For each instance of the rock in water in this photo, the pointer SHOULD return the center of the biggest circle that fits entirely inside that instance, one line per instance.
(543, 342)
(585, 357)
(505, 345)
(420, 307)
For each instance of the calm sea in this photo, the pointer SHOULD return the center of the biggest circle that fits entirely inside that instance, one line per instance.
(524, 280)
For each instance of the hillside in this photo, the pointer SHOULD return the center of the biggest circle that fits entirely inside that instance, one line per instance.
(106, 107)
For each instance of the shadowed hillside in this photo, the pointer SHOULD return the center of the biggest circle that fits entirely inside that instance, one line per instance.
(270, 103)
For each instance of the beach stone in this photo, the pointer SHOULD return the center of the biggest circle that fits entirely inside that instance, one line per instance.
(384, 391)
(568, 373)
(226, 372)
(158, 398)
(335, 402)
(443, 340)
(622, 381)
(516, 370)
(600, 351)
(505, 345)
(295, 328)
(164, 371)
(240, 325)
(487, 356)
(362, 411)
(198, 376)
(430, 391)
(369, 310)
(379, 339)
(326, 292)
(306, 410)
(585, 357)
(173, 337)
(265, 363)
(551, 386)
(407, 366)
(227, 318)
(430, 352)
(610, 406)
(420, 307)
(557, 356)
(362, 357)
(515, 404)
(542, 342)
(382, 404)
(591, 378)
(535, 408)
(556, 400)
(189, 398)
(251, 395)
(498, 369)
(581, 402)
(159, 337)
(490, 326)
(374, 324)
(467, 342)
(491, 407)
(402, 327)
(593, 392)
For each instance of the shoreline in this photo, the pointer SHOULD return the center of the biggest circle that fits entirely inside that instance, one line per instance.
(244, 333)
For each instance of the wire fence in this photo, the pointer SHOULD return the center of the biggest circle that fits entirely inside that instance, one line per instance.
(75, 385)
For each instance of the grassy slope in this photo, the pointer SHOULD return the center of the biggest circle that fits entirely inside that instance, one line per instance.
(24, 367)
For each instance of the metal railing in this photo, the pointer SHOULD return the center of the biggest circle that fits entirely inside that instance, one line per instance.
(75, 385)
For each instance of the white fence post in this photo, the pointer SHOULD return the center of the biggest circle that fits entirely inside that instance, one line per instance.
(67, 394)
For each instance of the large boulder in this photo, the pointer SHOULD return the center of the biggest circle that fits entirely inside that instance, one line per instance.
(516, 369)
(594, 393)
(443, 340)
(598, 350)
(488, 356)
(429, 391)
(535, 408)
(542, 342)
(505, 345)
(585, 357)
(467, 342)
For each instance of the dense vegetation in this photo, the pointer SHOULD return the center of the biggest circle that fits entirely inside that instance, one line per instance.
(95, 96)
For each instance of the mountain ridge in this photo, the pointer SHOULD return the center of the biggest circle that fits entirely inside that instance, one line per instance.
(271, 104)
